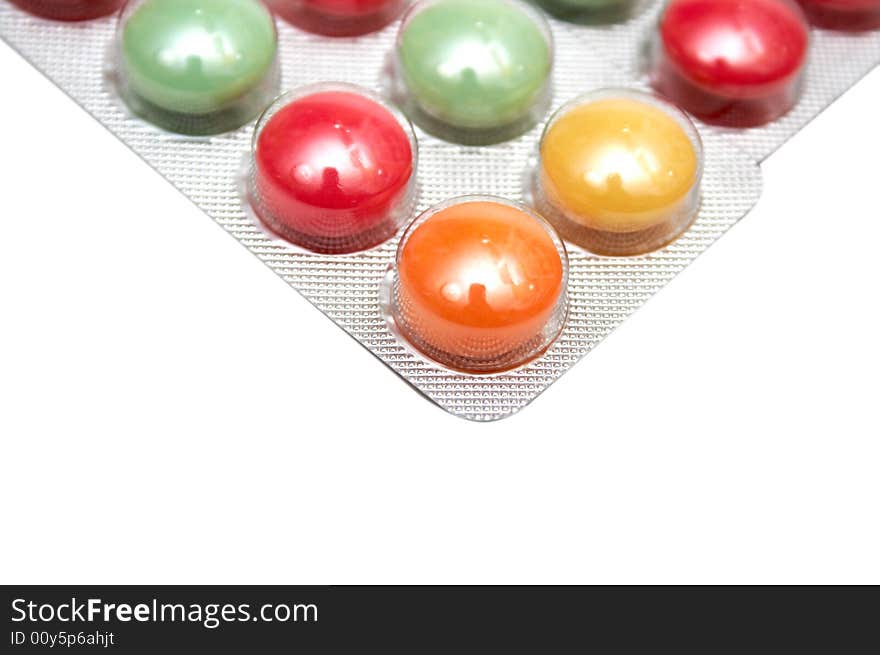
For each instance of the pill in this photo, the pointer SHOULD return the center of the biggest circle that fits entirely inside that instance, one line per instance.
(590, 10)
(846, 15)
(480, 284)
(339, 17)
(70, 9)
(620, 171)
(334, 168)
(474, 65)
(196, 56)
(731, 62)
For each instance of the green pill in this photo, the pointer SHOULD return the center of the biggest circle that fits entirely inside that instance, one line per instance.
(474, 64)
(196, 56)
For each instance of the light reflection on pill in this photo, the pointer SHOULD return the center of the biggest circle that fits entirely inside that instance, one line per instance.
(70, 10)
(480, 285)
(736, 63)
(845, 15)
(620, 163)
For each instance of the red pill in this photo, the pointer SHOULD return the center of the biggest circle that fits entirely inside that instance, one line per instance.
(339, 17)
(732, 62)
(70, 9)
(334, 169)
(847, 15)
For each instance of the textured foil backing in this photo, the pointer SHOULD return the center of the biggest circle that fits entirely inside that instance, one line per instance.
(602, 291)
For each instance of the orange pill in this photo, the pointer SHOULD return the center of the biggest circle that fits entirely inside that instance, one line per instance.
(480, 284)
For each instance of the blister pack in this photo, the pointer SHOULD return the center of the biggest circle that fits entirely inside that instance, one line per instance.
(478, 191)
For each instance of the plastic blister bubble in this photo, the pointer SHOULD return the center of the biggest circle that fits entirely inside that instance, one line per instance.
(338, 17)
(473, 72)
(618, 172)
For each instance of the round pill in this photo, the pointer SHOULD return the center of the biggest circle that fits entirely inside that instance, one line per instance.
(621, 172)
(480, 284)
(334, 169)
(72, 10)
(196, 56)
(732, 62)
(846, 15)
(339, 17)
(474, 65)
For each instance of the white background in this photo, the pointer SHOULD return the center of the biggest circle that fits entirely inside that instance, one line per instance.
(171, 412)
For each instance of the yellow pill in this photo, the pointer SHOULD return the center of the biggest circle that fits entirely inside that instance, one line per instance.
(621, 164)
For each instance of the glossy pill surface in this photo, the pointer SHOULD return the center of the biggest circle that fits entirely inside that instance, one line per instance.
(71, 10)
(737, 48)
(617, 164)
(582, 4)
(474, 65)
(736, 62)
(585, 8)
(196, 56)
(332, 170)
(348, 8)
(477, 281)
